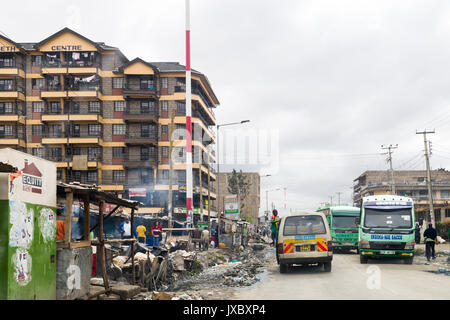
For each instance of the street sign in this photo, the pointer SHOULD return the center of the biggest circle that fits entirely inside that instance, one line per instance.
(231, 206)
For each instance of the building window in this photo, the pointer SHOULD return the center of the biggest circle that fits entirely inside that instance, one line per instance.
(164, 129)
(445, 193)
(165, 151)
(118, 152)
(55, 130)
(76, 176)
(164, 106)
(164, 83)
(146, 176)
(119, 129)
(92, 176)
(118, 83)
(94, 106)
(95, 129)
(36, 60)
(119, 176)
(94, 153)
(6, 107)
(181, 107)
(38, 84)
(55, 154)
(164, 174)
(36, 130)
(147, 106)
(6, 85)
(75, 107)
(58, 174)
(38, 106)
(55, 107)
(147, 84)
(119, 106)
(38, 152)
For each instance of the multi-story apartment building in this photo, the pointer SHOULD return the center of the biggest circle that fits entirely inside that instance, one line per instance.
(251, 203)
(410, 183)
(104, 119)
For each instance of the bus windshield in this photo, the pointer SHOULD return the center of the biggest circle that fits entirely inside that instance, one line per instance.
(344, 222)
(394, 218)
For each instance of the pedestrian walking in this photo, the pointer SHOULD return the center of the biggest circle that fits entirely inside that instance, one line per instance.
(274, 225)
(156, 232)
(125, 229)
(205, 239)
(141, 230)
(429, 237)
(417, 233)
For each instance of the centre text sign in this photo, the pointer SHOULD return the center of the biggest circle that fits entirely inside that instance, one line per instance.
(67, 48)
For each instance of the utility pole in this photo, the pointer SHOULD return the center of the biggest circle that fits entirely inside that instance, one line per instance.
(189, 211)
(170, 205)
(209, 196)
(430, 195)
(331, 200)
(389, 159)
(339, 198)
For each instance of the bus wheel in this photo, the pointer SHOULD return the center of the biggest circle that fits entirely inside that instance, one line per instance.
(409, 260)
(283, 268)
(357, 250)
(327, 266)
(362, 259)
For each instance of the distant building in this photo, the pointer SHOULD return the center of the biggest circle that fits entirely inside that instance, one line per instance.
(252, 201)
(412, 183)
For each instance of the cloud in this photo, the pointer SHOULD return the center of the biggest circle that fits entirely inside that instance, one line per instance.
(337, 78)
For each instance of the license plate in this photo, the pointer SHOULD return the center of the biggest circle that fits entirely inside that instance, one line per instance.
(303, 248)
(387, 252)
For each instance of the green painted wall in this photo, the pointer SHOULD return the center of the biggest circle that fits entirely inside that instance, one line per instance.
(4, 239)
(40, 281)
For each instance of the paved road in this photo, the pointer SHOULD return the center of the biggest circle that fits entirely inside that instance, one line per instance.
(351, 280)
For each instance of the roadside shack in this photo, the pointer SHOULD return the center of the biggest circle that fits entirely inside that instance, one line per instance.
(74, 256)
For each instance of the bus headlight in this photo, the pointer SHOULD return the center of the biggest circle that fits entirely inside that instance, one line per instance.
(364, 244)
(409, 245)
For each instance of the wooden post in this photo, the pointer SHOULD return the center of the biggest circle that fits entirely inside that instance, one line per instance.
(68, 218)
(87, 218)
(200, 162)
(170, 200)
(102, 244)
(132, 247)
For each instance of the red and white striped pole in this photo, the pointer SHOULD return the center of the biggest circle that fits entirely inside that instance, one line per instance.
(189, 213)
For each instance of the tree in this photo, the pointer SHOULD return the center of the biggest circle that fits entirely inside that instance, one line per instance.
(238, 185)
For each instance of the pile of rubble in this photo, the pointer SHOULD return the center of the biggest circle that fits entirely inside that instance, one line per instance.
(167, 273)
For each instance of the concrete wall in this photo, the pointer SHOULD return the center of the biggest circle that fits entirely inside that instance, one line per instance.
(68, 263)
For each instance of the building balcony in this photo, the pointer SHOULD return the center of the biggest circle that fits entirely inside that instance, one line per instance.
(69, 67)
(140, 161)
(12, 139)
(11, 68)
(12, 113)
(139, 139)
(140, 116)
(63, 138)
(137, 91)
(12, 91)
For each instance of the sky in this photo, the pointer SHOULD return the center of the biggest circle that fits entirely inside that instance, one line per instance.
(329, 81)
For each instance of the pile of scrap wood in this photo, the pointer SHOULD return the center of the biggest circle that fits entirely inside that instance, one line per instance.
(150, 265)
